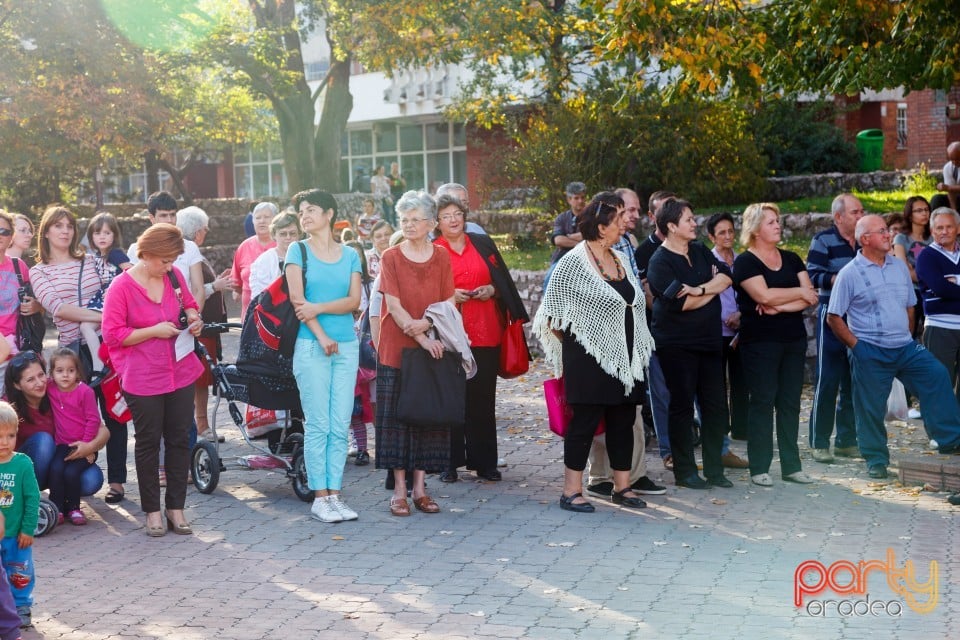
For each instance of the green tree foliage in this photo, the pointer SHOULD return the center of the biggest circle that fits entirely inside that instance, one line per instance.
(798, 139)
(703, 150)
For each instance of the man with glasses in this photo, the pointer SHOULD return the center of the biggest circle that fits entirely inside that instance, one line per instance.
(871, 313)
(830, 251)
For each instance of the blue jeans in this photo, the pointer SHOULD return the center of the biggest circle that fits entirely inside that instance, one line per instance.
(833, 377)
(326, 393)
(659, 403)
(18, 565)
(874, 369)
(40, 448)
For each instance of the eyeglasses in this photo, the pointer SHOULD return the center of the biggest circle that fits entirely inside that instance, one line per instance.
(883, 232)
(407, 222)
(917, 210)
(288, 234)
(6, 233)
(450, 217)
(24, 358)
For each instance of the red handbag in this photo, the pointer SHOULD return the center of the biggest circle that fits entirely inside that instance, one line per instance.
(112, 388)
(514, 353)
(559, 412)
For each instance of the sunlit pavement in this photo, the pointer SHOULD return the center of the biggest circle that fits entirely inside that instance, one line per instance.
(502, 560)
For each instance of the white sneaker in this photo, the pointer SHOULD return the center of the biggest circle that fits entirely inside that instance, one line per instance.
(324, 511)
(501, 462)
(913, 414)
(762, 479)
(799, 477)
(345, 512)
(933, 444)
(352, 451)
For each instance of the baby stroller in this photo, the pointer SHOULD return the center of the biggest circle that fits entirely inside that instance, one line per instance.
(284, 447)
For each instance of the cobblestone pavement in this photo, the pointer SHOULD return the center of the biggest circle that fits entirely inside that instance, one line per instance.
(502, 560)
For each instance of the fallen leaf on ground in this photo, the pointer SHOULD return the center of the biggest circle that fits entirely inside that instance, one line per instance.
(659, 543)
(718, 501)
(740, 551)
(337, 538)
(351, 616)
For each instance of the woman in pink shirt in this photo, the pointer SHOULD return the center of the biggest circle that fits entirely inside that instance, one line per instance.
(149, 317)
(249, 250)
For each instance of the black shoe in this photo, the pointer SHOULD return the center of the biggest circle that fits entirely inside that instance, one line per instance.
(954, 499)
(601, 489)
(449, 475)
(720, 481)
(950, 448)
(490, 474)
(362, 459)
(568, 504)
(631, 502)
(693, 481)
(878, 471)
(645, 486)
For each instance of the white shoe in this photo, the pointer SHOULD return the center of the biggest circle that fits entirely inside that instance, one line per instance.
(913, 414)
(345, 512)
(799, 477)
(324, 511)
(762, 479)
(352, 451)
(501, 462)
(934, 445)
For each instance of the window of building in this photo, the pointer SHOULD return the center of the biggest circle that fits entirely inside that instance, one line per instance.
(902, 126)
(316, 70)
(429, 154)
(258, 173)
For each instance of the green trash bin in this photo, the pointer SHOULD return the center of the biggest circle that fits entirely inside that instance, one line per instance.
(870, 147)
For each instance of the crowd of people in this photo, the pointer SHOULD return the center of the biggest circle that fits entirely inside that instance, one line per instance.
(660, 336)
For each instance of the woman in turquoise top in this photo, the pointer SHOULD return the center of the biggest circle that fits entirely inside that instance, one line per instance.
(327, 352)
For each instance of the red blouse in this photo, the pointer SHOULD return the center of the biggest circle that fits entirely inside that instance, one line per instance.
(481, 318)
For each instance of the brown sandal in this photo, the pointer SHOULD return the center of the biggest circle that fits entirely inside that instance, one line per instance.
(426, 504)
(399, 507)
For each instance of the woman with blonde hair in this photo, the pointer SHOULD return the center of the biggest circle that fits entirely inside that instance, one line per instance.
(773, 289)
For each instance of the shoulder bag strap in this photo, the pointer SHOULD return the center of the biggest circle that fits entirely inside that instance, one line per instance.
(176, 289)
(16, 269)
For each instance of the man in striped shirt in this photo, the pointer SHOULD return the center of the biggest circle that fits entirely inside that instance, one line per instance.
(830, 251)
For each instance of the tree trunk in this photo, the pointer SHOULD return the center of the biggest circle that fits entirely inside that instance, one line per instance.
(151, 161)
(295, 117)
(337, 105)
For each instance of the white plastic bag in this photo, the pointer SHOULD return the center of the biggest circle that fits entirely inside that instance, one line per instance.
(897, 402)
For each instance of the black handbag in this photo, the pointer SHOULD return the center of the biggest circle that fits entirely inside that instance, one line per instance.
(433, 393)
(30, 329)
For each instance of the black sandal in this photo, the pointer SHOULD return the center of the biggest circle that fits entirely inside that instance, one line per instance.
(568, 504)
(631, 502)
(113, 496)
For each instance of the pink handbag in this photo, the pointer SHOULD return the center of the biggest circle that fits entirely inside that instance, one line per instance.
(558, 413)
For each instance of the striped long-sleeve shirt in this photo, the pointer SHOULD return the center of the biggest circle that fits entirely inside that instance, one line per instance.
(829, 252)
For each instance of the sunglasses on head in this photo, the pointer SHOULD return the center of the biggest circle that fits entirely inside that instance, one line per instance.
(24, 358)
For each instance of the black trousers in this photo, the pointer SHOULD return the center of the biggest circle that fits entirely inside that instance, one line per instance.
(619, 420)
(168, 415)
(475, 443)
(693, 374)
(736, 382)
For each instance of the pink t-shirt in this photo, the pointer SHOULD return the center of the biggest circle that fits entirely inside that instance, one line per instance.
(150, 367)
(248, 251)
(76, 417)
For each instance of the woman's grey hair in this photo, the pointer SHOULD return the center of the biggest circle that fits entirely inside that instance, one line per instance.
(945, 211)
(419, 201)
(274, 210)
(191, 220)
(282, 221)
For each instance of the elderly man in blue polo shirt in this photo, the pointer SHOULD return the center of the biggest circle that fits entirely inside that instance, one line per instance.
(876, 294)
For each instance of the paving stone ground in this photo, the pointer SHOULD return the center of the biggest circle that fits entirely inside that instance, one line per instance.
(502, 560)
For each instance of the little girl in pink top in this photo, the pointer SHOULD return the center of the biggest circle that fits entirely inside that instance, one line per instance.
(76, 419)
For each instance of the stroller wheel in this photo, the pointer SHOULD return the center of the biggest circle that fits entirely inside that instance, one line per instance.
(299, 477)
(46, 517)
(205, 464)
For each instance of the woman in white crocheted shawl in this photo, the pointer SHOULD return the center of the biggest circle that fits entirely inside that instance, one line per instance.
(593, 328)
